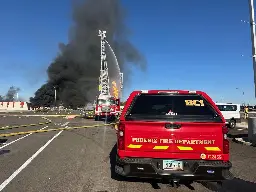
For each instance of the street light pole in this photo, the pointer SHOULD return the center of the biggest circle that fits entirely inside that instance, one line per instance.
(55, 96)
(252, 25)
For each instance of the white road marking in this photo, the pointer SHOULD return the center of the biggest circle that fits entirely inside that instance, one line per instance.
(6, 144)
(65, 124)
(7, 181)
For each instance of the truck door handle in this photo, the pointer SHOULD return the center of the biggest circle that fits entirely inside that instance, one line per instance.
(172, 126)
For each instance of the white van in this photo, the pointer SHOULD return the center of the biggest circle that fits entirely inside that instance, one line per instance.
(231, 113)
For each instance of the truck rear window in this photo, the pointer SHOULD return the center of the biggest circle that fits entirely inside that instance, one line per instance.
(172, 107)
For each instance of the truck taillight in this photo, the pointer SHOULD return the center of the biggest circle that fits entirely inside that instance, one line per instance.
(120, 136)
(225, 140)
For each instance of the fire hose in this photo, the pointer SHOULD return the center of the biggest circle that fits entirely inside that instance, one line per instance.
(55, 129)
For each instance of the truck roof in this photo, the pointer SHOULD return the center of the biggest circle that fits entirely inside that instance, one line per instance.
(226, 103)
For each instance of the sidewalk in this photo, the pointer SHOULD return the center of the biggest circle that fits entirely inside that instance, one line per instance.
(242, 125)
(242, 138)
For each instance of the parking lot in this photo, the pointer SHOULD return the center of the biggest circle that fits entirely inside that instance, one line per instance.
(82, 160)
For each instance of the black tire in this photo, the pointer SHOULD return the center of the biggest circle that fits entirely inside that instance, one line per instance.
(112, 118)
(232, 124)
(96, 118)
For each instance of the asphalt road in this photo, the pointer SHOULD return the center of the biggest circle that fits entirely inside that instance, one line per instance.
(81, 160)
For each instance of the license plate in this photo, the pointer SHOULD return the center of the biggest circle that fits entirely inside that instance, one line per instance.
(172, 165)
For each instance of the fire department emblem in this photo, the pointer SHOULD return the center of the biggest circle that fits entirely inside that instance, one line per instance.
(203, 156)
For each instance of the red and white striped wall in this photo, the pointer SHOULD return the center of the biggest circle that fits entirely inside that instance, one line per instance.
(19, 106)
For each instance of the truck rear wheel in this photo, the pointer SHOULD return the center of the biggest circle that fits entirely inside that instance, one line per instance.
(232, 123)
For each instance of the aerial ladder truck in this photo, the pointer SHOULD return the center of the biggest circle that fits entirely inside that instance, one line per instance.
(107, 103)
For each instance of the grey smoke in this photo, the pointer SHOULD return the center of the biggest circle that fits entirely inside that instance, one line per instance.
(76, 69)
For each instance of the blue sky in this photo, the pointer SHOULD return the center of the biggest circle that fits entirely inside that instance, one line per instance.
(188, 45)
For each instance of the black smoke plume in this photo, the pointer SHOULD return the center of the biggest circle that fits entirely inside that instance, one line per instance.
(76, 69)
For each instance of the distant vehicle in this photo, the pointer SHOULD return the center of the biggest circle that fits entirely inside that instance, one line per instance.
(61, 108)
(89, 111)
(231, 113)
(107, 107)
(174, 135)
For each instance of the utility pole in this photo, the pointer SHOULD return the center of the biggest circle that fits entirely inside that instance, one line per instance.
(252, 25)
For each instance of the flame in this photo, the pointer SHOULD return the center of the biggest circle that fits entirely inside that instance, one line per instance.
(115, 90)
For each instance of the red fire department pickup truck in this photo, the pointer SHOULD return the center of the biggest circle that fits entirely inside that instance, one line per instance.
(174, 135)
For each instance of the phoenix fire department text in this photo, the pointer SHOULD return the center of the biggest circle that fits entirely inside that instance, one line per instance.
(174, 141)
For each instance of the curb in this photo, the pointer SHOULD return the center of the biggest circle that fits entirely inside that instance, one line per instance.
(242, 125)
(241, 141)
(71, 116)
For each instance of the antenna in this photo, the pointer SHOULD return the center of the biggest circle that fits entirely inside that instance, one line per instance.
(104, 78)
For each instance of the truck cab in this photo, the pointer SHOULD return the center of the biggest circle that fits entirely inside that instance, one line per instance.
(107, 107)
